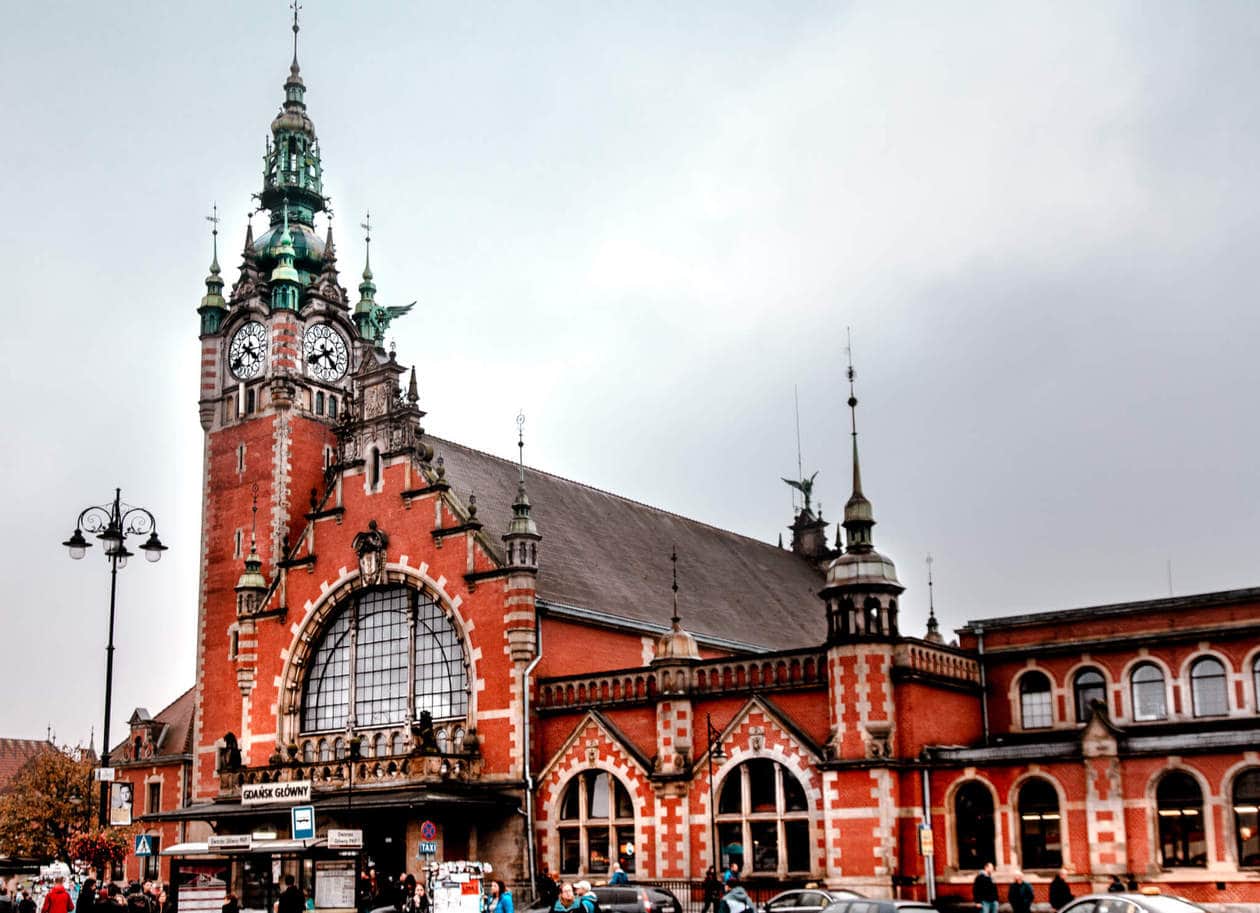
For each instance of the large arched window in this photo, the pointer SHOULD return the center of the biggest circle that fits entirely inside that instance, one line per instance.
(1040, 830)
(973, 825)
(1247, 816)
(1035, 708)
(1179, 808)
(596, 825)
(389, 654)
(1149, 700)
(763, 819)
(1088, 686)
(1208, 688)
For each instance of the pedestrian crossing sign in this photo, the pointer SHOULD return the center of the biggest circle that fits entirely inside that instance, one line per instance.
(146, 845)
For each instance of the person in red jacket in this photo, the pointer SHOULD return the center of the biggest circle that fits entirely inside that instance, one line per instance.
(58, 900)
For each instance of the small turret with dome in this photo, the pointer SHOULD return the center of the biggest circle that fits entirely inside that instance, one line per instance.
(862, 585)
(522, 536)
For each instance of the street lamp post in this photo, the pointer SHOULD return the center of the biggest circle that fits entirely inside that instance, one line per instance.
(112, 524)
(715, 753)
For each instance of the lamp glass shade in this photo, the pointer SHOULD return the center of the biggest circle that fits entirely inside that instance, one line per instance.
(153, 548)
(77, 545)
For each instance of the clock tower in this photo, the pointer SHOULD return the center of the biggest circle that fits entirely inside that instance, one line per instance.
(286, 371)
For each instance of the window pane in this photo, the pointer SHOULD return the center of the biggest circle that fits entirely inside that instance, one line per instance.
(793, 793)
(731, 837)
(761, 786)
(1090, 687)
(441, 676)
(624, 808)
(380, 679)
(569, 804)
(1034, 695)
(597, 845)
(597, 797)
(625, 848)
(1148, 693)
(324, 705)
(973, 825)
(1207, 684)
(765, 842)
(732, 789)
(796, 835)
(1247, 817)
(570, 851)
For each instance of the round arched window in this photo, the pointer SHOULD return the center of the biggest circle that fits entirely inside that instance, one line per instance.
(1036, 710)
(1247, 816)
(596, 825)
(973, 825)
(1149, 699)
(388, 652)
(1040, 831)
(1088, 686)
(1208, 687)
(763, 819)
(1179, 808)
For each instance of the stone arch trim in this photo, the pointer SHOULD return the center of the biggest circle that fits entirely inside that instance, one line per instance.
(1126, 684)
(951, 822)
(1013, 826)
(593, 746)
(1205, 786)
(1229, 779)
(757, 724)
(318, 613)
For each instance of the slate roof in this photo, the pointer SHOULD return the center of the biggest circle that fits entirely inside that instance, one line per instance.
(610, 555)
(177, 732)
(14, 753)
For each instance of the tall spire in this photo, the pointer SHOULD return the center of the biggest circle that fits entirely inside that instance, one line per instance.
(933, 627)
(213, 307)
(858, 515)
(251, 585)
(522, 533)
(292, 169)
(365, 309)
(675, 619)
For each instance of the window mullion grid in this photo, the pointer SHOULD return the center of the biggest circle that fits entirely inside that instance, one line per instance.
(583, 823)
(411, 657)
(353, 664)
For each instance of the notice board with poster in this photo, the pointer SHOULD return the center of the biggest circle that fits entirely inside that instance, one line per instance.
(200, 887)
(120, 803)
(334, 884)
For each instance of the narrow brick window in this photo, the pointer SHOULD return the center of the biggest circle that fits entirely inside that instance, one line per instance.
(153, 802)
(319, 403)
(236, 549)
(240, 458)
(1036, 710)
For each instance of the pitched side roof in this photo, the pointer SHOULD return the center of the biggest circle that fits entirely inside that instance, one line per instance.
(177, 730)
(15, 753)
(610, 555)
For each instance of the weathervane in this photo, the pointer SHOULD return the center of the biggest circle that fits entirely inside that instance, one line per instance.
(520, 441)
(213, 219)
(295, 6)
(673, 557)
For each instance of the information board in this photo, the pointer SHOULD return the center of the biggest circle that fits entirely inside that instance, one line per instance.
(334, 884)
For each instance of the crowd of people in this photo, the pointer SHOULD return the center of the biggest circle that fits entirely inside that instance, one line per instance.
(1020, 894)
(64, 895)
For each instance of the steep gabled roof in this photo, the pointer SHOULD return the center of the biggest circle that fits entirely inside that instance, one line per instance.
(14, 755)
(610, 555)
(176, 729)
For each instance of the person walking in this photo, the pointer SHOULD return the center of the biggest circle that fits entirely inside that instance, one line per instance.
(545, 888)
(1060, 893)
(567, 901)
(619, 875)
(1020, 896)
(500, 899)
(231, 904)
(1116, 886)
(87, 896)
(712, 891)
(984, 891)
(736, 900)
(586, 897)
(58, 900)
(291, 899)
(26, 904)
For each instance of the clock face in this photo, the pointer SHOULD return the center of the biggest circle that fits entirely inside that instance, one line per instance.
(247, 352)
(325, 352)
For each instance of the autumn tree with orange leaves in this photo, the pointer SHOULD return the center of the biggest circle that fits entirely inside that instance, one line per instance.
(45, 805)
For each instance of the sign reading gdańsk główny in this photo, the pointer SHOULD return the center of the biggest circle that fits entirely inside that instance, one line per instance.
(258, 793)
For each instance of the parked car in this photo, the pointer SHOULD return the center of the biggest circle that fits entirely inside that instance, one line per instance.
(629, 898)
(1131, 903)
(806, 900)
(871, 905)
(636, 898)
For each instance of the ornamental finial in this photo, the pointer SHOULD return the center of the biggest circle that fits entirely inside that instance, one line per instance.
(213, 219)
(295, 6)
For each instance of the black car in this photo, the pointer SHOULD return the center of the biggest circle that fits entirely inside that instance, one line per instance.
(1128, 902)
(871, 905)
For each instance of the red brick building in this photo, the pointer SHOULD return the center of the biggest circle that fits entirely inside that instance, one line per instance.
(412, 632)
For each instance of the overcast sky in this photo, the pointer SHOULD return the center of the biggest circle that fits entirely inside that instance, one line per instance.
(644, 224)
